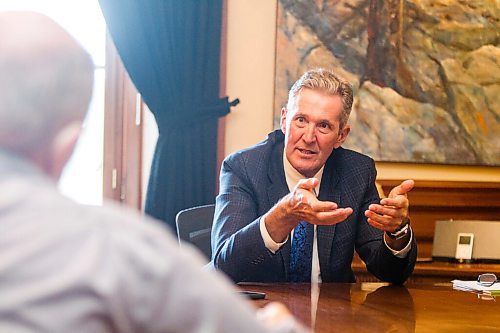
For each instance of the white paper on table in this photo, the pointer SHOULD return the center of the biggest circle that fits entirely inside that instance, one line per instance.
(474, 286)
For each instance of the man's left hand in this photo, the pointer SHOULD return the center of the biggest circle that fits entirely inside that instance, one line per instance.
(392, 211)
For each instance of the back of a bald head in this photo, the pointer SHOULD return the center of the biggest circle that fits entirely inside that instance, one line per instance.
(46, 81)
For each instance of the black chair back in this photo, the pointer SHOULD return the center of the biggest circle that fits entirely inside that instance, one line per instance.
(194, 225)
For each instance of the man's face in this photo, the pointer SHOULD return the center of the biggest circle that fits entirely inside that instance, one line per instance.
(312, 130)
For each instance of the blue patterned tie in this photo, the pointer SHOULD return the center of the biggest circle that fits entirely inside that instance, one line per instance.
(301, 253)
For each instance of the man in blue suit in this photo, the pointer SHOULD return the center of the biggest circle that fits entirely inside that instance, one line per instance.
(295, 206)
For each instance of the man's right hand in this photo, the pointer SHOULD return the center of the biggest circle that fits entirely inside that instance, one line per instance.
(302, 205)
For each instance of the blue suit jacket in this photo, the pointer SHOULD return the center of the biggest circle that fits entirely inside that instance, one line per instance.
(253, 180)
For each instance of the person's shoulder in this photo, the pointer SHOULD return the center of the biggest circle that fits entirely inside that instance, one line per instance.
(130, 235)
(112, 225)
(116, 218)
(110, 235)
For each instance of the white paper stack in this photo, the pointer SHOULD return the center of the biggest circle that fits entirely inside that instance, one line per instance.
(476, 287)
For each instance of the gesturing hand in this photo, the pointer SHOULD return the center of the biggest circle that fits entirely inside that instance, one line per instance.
(392, 211)
(302, 204)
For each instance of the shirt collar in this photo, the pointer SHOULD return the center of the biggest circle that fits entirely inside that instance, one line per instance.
(293, 176)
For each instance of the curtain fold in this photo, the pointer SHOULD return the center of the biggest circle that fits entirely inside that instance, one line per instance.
(171, 50)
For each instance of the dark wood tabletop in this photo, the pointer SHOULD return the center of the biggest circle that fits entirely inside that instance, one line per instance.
(424, 306)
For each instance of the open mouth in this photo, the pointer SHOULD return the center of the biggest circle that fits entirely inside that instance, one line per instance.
(306, 151)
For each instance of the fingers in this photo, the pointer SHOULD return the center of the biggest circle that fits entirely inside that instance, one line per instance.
(392, 211)
(307, 184)
(378, 225)
(332, 217)
(383, 222)
(397, 202)
(390, 216)
(307, 207)
(304, 198)
(322, 206)
(321, 212)
(389, 210)
(402, 188)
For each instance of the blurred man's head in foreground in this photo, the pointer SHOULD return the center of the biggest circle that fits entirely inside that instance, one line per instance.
(46, 81)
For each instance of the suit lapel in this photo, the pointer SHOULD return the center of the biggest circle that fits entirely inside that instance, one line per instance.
(276, 190)
(329, 191)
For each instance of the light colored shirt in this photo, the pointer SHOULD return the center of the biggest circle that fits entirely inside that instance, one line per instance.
(65, 267)
(292, 178)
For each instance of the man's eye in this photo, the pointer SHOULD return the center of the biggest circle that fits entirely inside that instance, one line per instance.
(301, 121)
(324, 126)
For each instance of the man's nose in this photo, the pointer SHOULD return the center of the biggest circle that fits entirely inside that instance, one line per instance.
(309, 134)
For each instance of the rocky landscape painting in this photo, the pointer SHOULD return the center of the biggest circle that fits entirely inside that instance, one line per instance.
(426, 74)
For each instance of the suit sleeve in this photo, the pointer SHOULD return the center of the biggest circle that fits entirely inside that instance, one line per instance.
(371, 247)
(237, 245)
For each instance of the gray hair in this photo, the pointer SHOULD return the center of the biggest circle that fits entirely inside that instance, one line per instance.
(46, 81)
(327, 82)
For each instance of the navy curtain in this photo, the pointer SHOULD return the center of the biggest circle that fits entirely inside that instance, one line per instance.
(171, 50)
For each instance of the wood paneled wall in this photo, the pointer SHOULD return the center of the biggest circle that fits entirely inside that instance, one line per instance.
(443, 200)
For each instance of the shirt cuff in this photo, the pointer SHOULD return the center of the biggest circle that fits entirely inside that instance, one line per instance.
(271, 245)
(404, 252)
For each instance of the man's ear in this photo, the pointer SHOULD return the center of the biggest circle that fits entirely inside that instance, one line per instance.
(283, 120)
(62, 147)
(342, 136)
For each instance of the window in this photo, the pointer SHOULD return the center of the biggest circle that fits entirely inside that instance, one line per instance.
(82, 179)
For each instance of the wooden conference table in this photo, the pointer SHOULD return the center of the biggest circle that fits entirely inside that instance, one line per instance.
(423, 306)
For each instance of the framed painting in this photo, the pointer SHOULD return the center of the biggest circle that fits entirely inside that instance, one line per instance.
(426, 74)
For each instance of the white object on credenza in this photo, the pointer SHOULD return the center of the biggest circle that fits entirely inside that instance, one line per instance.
(484, 245)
